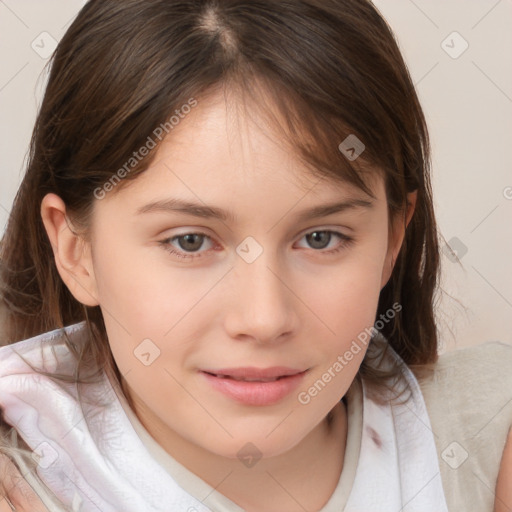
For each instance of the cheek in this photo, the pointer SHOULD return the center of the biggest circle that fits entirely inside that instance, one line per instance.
(349, 313)
(347, 299)
(142, 298)
(355, 280)
(138, 289)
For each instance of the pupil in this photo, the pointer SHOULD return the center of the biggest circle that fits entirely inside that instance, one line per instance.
(317, 237)
(189, 239)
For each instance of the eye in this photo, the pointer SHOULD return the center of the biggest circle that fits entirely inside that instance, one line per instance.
(319, 239)
(187, 242)
(190, 243)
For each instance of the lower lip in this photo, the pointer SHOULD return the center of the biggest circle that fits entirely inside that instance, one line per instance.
(255, 393)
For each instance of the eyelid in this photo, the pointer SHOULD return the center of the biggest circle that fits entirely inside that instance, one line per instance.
(326, 227)
(345, 240)
(198, 230)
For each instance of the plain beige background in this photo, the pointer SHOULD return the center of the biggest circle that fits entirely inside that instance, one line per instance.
(459, 55)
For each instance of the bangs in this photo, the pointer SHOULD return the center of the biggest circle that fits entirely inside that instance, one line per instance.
(311, 134)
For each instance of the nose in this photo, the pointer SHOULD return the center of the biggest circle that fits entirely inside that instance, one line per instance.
(262, 306)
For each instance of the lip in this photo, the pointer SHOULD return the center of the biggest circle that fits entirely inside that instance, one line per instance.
(258, 390)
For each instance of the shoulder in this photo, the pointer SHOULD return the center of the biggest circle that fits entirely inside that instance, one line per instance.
(45, 351)
(484, 352)
(471, 384)
(15, 491)
(490, 350)
(14, 357)
(475, 369)
(468, 397)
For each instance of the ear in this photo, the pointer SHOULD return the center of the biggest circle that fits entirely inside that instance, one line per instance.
(72, 253)
(396, 237)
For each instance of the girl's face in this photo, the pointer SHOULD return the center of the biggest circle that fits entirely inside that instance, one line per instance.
(215, 259)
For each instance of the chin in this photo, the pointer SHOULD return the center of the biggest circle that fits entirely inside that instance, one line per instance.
(256, 447)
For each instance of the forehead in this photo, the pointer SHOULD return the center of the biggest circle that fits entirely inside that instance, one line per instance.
(228, 139)
(224, 160)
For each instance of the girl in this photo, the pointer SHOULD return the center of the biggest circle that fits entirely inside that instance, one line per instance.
(219, 272)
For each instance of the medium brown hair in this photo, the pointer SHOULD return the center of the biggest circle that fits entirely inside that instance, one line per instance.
(331, 67)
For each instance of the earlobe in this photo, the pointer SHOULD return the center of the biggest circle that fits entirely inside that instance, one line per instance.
(71, 252)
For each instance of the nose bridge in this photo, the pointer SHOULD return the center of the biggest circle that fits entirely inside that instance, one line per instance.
(262, 305)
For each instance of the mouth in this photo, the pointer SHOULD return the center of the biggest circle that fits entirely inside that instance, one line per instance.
(246, 379)
(253, 386)
(253, 374)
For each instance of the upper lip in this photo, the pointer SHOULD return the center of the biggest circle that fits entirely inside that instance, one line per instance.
(251, 372)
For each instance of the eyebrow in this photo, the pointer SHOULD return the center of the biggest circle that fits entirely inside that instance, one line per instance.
(211, 212)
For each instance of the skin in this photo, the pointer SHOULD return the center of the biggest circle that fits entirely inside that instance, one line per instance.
(295, 305)
(15, 491)
(503, 501)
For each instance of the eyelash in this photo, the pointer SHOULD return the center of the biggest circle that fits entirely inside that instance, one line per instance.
(346, 241)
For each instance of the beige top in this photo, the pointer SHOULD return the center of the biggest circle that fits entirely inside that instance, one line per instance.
(469, 401)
